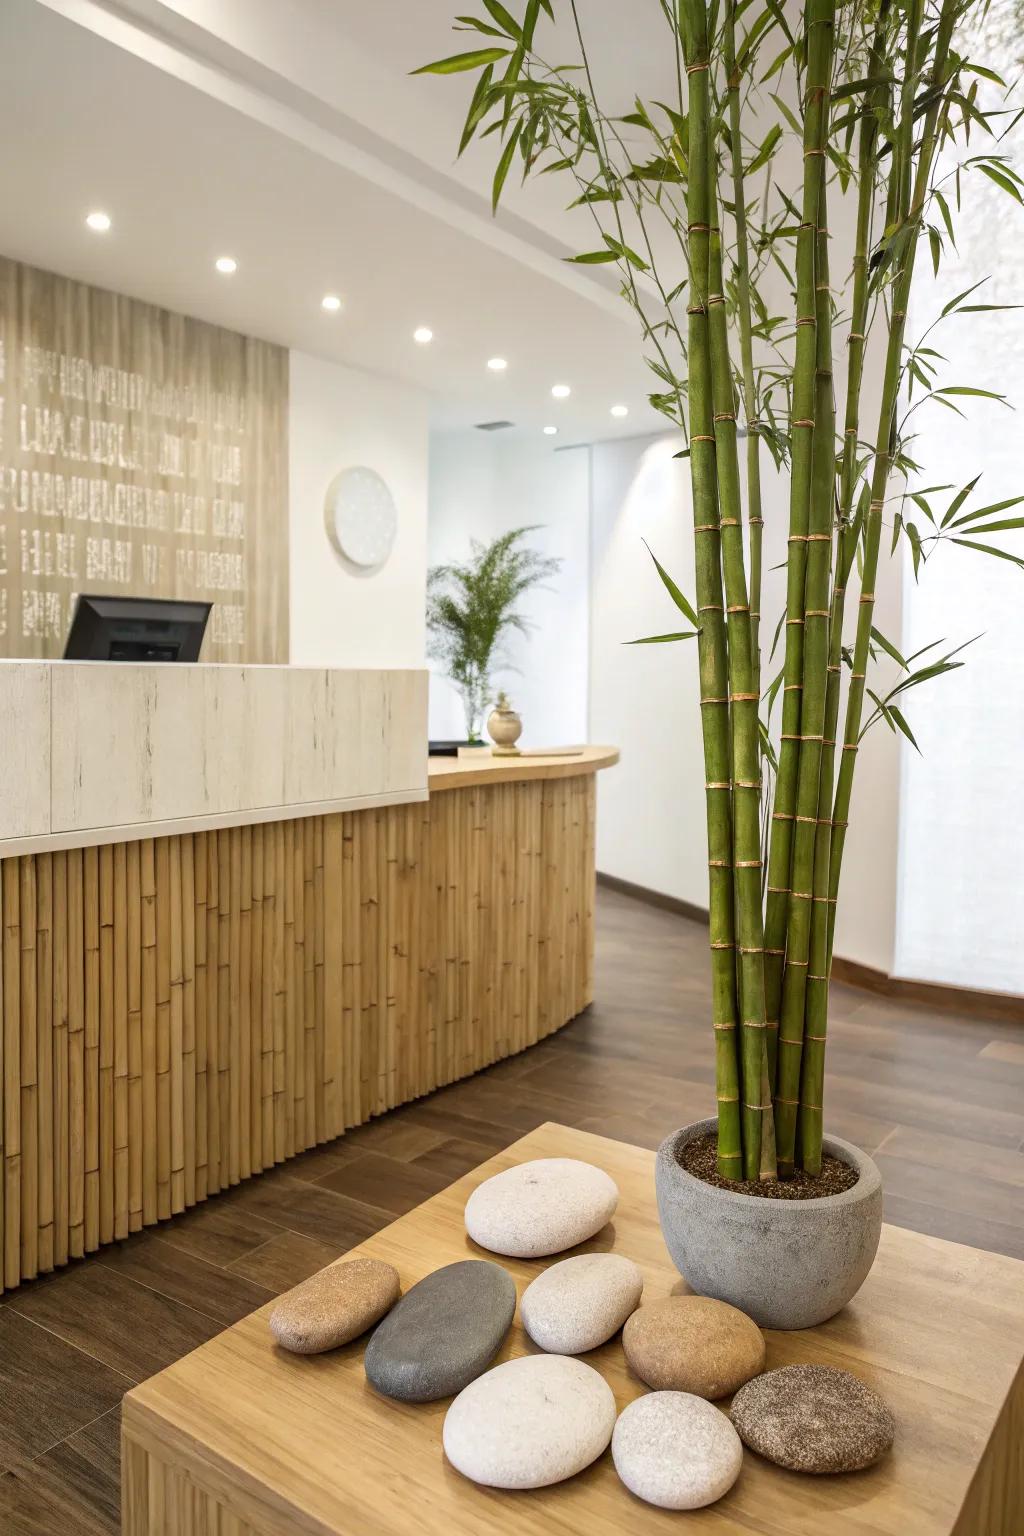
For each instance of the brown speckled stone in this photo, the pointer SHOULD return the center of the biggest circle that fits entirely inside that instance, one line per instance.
(813, 1418)
(334, 1306)
(693, 1344)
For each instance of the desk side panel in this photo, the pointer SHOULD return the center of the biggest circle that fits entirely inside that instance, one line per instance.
(25, 759)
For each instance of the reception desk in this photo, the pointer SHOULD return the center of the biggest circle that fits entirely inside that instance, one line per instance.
(240, 915)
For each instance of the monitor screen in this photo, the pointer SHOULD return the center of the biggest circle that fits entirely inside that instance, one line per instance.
(135, 629)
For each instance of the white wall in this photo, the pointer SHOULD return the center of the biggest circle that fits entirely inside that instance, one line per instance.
(341, 616)
(650, 825)
(480, 487)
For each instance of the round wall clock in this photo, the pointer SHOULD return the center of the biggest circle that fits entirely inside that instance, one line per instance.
(361, 517)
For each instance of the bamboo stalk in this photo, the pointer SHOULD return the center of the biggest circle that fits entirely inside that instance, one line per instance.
(813, 1074)
(790, 870)
(755, 519)
(817, 974)
(711, 640)
(743, 715)
(779, 914)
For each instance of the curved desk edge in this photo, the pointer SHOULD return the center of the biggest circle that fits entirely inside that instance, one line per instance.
(458, 773)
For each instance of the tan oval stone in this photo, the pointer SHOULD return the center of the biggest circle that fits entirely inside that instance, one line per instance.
(334, 1306)
(693, 1344)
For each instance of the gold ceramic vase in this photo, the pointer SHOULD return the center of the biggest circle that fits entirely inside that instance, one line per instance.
(504, 728)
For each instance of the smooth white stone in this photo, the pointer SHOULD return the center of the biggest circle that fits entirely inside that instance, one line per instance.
(578, 1304)
(676, 1450)
(541, 1207)
(529, 1422)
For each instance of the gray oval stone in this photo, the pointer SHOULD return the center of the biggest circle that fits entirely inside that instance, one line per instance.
(676, 1450)
(442, 1333)
(530, 1422)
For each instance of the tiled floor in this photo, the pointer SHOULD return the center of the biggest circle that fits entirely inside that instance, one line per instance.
(938, 1100)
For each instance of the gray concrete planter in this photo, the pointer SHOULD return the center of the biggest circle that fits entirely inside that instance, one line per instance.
(786, 1263)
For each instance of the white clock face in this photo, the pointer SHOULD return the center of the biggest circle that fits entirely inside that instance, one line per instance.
(361, 516)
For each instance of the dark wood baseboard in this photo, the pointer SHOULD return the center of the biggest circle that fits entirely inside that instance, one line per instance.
(965, 1002)
(689, 909)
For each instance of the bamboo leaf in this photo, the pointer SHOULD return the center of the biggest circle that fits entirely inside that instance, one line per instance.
(935, 244)
(989, 511)
(956, 301)
(958, 501)
(776, 64)
(887, 646)
(788, 115)
(990, 549)
(682, 603)
(967, 389)
(915, 547)
(479, 26)
(1002, 525)
(623, 250)
(1002, 180)
(780, 19)
(946, 216)
(684, 634)
(766, 151)
(855, 87)
(767, 749)
(508, 24)
(478, 106)
(503, 165)
(461, 61)
(901, 721)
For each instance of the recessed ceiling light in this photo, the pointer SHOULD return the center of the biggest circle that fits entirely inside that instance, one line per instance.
(226, 264)
(497, 364)
(550, 431)
(423, 334)
(560, 391)
(98, 221)
(620, 410)
(330, 301)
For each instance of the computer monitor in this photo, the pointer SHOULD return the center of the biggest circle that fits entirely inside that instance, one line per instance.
(135, 629)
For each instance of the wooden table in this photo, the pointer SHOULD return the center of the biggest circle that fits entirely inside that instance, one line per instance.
(243, 1440)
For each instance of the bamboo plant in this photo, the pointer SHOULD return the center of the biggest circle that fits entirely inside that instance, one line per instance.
(719, 209)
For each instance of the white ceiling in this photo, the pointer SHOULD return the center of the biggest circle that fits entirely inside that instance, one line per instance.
(289, 134)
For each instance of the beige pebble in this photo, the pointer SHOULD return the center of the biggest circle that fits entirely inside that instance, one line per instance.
(334, 1306)
(693, 1344)
(576, 1305)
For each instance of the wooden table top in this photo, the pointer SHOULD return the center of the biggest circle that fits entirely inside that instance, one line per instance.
(303, 1445)
(458, 772)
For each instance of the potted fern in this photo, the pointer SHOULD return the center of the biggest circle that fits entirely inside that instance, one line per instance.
(717, 205)
(472, 605)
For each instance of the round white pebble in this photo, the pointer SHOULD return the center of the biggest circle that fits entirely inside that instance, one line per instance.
(676, 1450)
(578, 1304)
(529, 1422)
(541, 1207)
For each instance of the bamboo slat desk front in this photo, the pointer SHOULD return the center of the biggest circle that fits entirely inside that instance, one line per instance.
(241, 1439)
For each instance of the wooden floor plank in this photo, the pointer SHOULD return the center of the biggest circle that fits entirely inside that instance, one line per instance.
(48, 1389)
(127, 1326)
